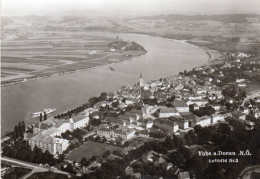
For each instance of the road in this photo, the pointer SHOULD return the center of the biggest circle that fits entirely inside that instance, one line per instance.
(256, 94)
(32, 166)
(246, 173)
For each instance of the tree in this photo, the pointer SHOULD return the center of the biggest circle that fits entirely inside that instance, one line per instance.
(69, 168)
(103, 96)
(7, 150)
(23, 126)
(38, 155)
(40, 117)
(92, 101)
(46, 157)
(84, 162)
(20, 130)
(16, 133)
(44, 116)
(61, 158)
(115, 104)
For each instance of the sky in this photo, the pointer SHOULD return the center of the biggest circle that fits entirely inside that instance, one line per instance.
(127, 7)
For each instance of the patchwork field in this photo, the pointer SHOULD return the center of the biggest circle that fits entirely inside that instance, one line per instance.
(42, 54)
(90, 149)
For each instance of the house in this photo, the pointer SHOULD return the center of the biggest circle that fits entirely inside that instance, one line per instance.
(149, 124)
(201, 102)
(144, 134)
(147, 109)
(126, 119)
(78, 121)
(240, 80)
(168, 112)
(241, 116)
(241, 85)
(217, 107)
(116, 122)
(216, 117)
(189, 117)
(90, 111)
(115, 133)
(168, 125)
(129, 171)
(183, 124)
(139, 113)
(202, 121)
(130, 101)
(184, 175)
(181, 106)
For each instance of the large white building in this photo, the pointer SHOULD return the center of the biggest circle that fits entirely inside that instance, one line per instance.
(53, 144)
(115, 133)
(216, 117)
(46, 133)
(168, 112)
(202, 121)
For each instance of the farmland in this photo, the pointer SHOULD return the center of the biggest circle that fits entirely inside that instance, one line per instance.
(43, 54)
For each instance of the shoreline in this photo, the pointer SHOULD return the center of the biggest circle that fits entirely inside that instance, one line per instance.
(73, 71)
(206, 49)
(93, 67)
(109, 64)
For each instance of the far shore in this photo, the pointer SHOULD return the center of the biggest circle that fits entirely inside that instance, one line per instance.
(23, 80)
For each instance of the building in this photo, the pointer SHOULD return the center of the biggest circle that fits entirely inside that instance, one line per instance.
(201, 102)
(181, 106)
(184, 175)
(90, 111)
(168, 112)
(168, 125)
(147, 109)
(115, 133)
(202, 121)
(53, 144)
(79, 121)
(189, 117)
(116, 122)
(183, 124)
(216, 117)
(42, 126)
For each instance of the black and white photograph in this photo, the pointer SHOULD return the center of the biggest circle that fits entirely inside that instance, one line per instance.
(130, 89)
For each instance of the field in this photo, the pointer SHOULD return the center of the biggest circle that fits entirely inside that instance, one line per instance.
(90, 149)
(43, 54)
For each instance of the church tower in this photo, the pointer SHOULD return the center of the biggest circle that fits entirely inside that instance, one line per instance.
(141, 81)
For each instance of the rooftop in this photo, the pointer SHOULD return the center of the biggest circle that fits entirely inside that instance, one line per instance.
(168, 110)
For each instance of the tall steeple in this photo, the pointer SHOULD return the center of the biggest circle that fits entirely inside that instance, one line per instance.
(141, 80)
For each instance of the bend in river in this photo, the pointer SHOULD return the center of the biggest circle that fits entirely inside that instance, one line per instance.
(164, 58)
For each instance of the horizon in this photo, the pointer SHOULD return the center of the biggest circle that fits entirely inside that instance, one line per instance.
(127, 8)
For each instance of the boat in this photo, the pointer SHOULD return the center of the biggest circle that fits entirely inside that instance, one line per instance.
(111, 68)
(47, 111)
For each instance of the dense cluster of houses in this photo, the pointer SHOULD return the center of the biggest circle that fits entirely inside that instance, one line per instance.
(171, 119)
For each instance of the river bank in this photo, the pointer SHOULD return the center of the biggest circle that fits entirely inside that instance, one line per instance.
(163, 58)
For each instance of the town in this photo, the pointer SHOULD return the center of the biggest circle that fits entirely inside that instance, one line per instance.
(150, 129)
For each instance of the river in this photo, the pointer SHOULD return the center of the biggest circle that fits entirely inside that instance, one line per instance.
(165, 57)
